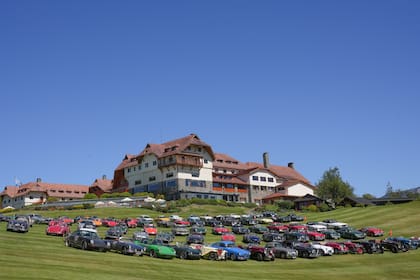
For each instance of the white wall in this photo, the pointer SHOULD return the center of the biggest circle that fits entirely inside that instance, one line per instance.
(299, 190)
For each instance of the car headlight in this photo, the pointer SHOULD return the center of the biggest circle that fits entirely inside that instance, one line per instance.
(92, 242)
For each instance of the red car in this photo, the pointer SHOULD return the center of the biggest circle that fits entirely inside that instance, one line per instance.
(228, 237)
(372, 231)
(182, 222)
(297, 227)
(150, 229)
(278, 227)
(354, 248)
(58, 228)
(315, 235)
(220, 230)
(339, 248)
(109, 222)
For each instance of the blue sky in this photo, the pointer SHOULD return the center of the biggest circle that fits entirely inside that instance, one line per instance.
(318, 83)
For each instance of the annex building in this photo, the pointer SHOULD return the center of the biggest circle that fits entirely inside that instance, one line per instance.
(188, 167)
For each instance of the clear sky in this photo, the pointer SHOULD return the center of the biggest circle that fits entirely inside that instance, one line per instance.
(318, 83)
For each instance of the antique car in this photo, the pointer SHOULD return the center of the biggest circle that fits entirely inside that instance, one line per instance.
(305, 250)
(156, 248)
(166, 237)
(86, 224)
(260, 253)
(127, 246)
(315, 235)
(370, 247)
(87, 239)
(339, 248)
(198, 229)
(372, 231)
(139, 235)
(233, 252)
(331, 234)
(239, 229)
(180, 230)
(296, 236)
(58, 228)
(281, 251)
(210, 253)
(195, 239)
(409, 243)
(251, 238)
(279, 227)
(66, 220)
(324, 249)
(163, 221)
(18, 225)
(273, 236)
(150, 229)
(186, 252)
(293, 227)
(258, 229)
(109, 222)
(354, 248)
(228, 236)
(393, 245)
(219, 230)
(113, 233)
(350, 233)
(333, 224)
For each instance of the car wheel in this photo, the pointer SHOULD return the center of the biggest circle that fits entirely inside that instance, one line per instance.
(124, 251)
(305, 254)
(183, 255)
(67, 243)
(212, 256)
(152, 254)
(84, 245)
(394, 249)
(260, 257)
(232, 257)
(282, 255)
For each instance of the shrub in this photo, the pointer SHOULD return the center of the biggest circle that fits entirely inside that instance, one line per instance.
(323, 207)
(90, 196)
(312, 208)
(284, 204)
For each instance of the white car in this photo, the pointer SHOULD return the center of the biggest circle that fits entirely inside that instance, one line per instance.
(325, 250)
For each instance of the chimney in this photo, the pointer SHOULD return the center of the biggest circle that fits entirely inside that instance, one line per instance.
(103, 177)
(38, 180)
(266, 161)
(291, 165)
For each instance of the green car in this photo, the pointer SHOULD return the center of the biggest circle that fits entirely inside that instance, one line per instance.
(157, 249)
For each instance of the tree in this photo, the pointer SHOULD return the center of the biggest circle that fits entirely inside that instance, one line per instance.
(368, 196)
(90, 196)
(331, 186)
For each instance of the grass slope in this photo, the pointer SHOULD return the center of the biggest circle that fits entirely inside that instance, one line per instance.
(37, 256)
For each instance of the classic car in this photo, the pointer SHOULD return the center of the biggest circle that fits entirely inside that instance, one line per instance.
(66, 220)
(298, 227)
(296, 236)
(239, 229)
(58, 228)
(324, 249)
(316, 227)
(195, 239)
(260, 253)
(305, 250)
(279, 227)
(333, 224)
(127, 246)
(109, 222)
(139, 235)
(157, 249)
(113, 233)
(186, 252)
(331, 234)
(150, 229)
(251, 238)
(370, 247)
(163, 221)
(166, 237)
(315, 235)
(281, 251)
(339, 248)
(210, 253)
(219, 230)
(393, 245)
(372, 231)
(198, 229)
(228, 236)
(354, 248)
(233, 252)
(273, 236)
(258, 228)
(87, 239)
(409, 243)
(18, 225)
(350, 233)
(180, 230)
(86, 224)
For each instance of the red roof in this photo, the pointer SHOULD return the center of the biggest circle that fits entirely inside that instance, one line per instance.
(56, 190)
(104, 184)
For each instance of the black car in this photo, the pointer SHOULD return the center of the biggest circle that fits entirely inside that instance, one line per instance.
(370, 247)
(238, 229)
(18, 225)
(260, 253)
(273, 236)
(305, 250)
(393, 246)
(281, 251)
(114, 233)
(126, 246)
(185, 252)
(195, 239)
(166, 237)
(87, 239)
(251, 238)
(198, 229)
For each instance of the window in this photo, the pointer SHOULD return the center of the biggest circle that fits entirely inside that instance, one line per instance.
(195, 174)
(270, 179)
(128, 170)
(139, 167)
(137, 182)
(263, 179)
(199, 149)
(169, 175)
(255, 178)
(152, 178)
(146, 165)
(134, 169)
(206, 161)
(154, 163)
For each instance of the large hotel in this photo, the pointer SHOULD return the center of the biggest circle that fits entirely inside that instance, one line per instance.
(188, 168)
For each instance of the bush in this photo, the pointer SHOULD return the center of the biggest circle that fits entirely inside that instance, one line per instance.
(323, 207)
(284, 204)
(312, 208)
(90, 196)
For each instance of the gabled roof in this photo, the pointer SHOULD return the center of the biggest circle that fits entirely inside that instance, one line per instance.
(103, 184)
(278, 196)
(308, 197)
(52, 189)
(10, 191)
(177, 146)
(128, 160)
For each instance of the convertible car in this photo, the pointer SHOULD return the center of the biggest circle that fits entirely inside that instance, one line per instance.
(233, 252)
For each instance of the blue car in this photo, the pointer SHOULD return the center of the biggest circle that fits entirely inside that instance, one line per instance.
(232, 251)
(408, 243)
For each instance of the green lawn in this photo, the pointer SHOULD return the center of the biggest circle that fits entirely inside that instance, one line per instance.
(35, 255)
